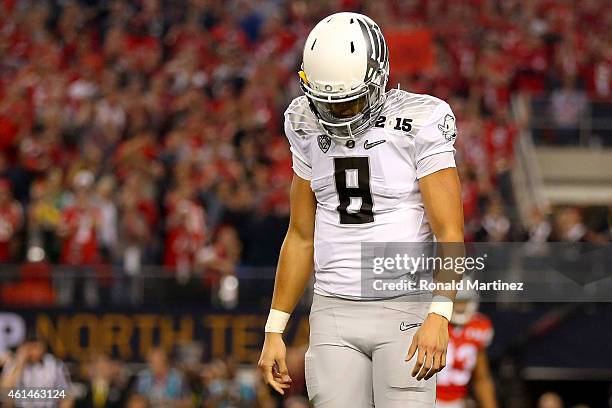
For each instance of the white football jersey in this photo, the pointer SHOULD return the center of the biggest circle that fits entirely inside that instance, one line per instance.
(367, 190)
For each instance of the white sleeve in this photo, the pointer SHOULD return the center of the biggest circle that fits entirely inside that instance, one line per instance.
(299, 152)
(435, 142)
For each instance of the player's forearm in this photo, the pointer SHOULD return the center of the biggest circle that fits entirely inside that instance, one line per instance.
(484, 391)
(296, 256)
(441, 192)
(294, 270)
(450, 234)
(450, 247)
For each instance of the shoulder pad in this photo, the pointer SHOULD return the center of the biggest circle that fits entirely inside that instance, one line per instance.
(300, 119)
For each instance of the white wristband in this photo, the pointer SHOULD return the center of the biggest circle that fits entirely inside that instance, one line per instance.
(277, 320)
(443, 306)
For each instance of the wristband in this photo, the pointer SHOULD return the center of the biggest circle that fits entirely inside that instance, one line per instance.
(443, 306)
(277, 320)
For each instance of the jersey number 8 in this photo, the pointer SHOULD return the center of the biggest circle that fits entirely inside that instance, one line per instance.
(352, 177)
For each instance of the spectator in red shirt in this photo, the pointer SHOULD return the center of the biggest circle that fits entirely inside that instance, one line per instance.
(11, 221)
(80, 223)
(500, 134)
(135, 231)
(185, 232)
(221, 257)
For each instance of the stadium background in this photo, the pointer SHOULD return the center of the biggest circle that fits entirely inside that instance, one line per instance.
(144, 175)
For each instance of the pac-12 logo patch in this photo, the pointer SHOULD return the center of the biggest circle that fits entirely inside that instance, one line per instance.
(448, 128)
(324, 143)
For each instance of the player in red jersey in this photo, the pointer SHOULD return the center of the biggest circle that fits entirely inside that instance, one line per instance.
(470, 333)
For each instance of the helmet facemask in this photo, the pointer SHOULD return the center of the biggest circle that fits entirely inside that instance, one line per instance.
(347, 115)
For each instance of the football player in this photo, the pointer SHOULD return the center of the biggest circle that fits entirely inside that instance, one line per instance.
(470, 334)
(370, 165)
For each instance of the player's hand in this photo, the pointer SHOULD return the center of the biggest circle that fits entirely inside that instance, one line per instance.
(431, 341)
(272, 363)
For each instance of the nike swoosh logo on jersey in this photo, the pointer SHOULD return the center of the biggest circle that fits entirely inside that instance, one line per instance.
(367, 145)
(407, 326)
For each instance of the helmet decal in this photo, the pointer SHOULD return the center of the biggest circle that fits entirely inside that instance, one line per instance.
(376, 48)
(369, 52)
(302, 75)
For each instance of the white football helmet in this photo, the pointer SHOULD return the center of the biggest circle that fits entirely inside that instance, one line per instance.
(344, 73)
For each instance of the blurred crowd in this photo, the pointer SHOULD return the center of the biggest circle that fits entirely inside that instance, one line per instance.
(181, 380)
(150, 132)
